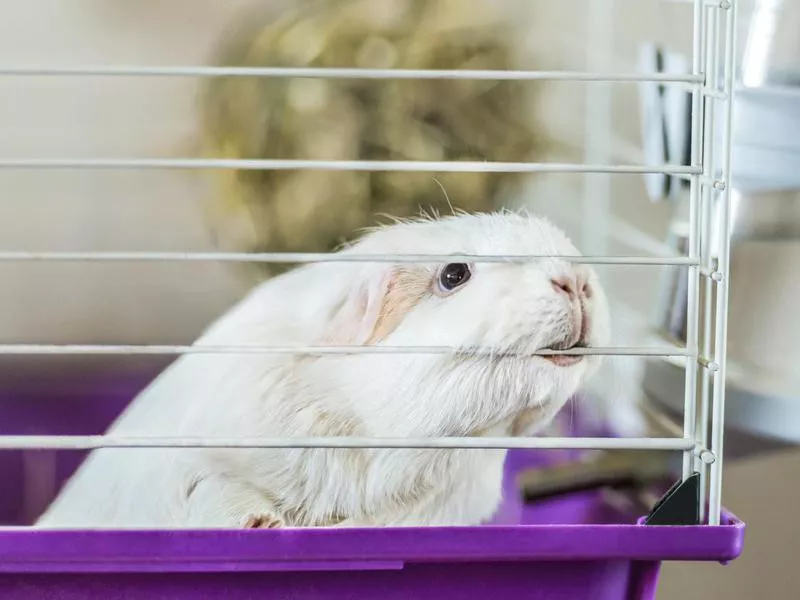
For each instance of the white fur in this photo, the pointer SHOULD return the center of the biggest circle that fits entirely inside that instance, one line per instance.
(503, 307)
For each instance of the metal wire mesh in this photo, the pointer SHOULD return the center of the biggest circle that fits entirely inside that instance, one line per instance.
(711, 86)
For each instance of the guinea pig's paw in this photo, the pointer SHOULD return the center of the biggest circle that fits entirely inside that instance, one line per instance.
(265, 520)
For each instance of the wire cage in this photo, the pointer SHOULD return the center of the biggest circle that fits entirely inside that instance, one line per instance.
(564, 547)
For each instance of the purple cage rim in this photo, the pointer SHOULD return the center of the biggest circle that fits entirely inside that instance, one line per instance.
(25, 550)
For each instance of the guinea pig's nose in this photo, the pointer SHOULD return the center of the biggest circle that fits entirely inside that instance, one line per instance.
(571, 286)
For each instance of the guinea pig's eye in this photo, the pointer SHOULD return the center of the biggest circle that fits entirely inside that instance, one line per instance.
(454, 275)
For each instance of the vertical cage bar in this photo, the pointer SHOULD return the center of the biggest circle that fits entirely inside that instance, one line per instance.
(693, 273)
(712, 70)
(723, 286)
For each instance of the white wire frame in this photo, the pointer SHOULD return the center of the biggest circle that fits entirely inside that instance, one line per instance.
(723, 261)
(698, 449)
(706, 56)
(311, 257)
(707, 260)
(340, 165)
(692, 314)
(714, 262)
(91, 442)
(346, 73)
(51, 349)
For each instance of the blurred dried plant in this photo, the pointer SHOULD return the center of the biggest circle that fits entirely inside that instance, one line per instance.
(337, 119)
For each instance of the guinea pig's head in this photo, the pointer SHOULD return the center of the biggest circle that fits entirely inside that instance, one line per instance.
(497, 315)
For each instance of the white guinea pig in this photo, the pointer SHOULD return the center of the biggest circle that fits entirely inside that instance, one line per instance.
(509, 310)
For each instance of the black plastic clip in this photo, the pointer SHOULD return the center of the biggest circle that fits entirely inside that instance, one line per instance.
(679, 506)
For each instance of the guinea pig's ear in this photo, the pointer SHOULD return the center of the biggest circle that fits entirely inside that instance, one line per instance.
(375, 305)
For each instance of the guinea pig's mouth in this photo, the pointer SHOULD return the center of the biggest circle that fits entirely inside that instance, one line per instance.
(565, 360)
(522, 352)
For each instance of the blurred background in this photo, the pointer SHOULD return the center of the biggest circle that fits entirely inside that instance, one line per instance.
(170, 210)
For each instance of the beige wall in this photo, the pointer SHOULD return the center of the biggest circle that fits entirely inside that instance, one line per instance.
(111, 210)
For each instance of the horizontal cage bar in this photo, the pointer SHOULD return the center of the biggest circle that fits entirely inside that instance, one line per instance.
(89, 442)
(340, 165)
(343, 73)
(26, 349)
(320, 257)
(709, 3)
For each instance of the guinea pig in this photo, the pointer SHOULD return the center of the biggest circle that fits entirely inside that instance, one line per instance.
(496, 315)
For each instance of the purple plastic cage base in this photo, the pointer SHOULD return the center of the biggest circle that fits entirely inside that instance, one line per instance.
(566, 548)
(552, 562)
